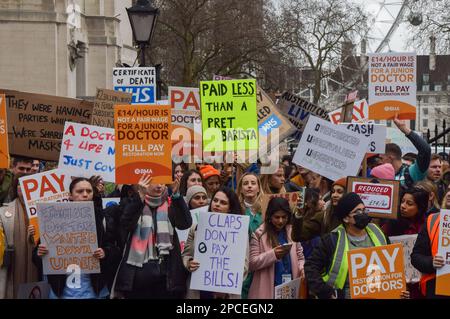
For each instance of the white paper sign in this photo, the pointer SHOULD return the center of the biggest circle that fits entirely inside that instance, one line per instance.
(107, 202)
(88, 150)
(375, 132)
(183, 234)
(288, 290)
(443, 273)
(139, 81)
(330, 150)
(412, 274)
(220, 248)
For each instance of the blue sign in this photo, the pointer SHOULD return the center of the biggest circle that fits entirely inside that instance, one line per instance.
(141, 94)
(272, 122)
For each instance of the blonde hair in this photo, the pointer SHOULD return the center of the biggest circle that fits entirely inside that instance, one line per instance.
(430, 187)
(265, 182)
(444, 201)
(257, 205)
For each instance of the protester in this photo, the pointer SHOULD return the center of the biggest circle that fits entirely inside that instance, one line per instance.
(274, 183)
(92, 286)
(35, 167)
(383, 171)
(431, 189)
(211, 179)
(446, 200)
(178, 170)
(151, 266)
(6, 179)
(17, 266)
(297, 180)
(434, 175)
(196, 197)
(274, 258)
(190, 178)
(21, 165)
(224, 201)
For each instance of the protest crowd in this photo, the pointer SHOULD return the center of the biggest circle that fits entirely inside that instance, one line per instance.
(226, 229)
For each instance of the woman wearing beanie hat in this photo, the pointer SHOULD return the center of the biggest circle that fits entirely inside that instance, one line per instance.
(211, 179)
(327, 269)
(196, 197)
(383, 171)
(274, 258)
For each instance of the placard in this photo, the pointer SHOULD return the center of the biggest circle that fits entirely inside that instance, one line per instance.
(360, 113)
(220, 248)
(4, 147)
(288, 290)
(407, 241)
(443, 274)
(375, 132)
(103, 113)
(88, 150)
(139, 81)
(69, 232)
(184, 233)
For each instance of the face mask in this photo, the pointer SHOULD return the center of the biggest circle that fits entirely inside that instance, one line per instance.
(362, 220)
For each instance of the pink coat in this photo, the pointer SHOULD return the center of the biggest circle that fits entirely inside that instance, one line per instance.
(262, 264)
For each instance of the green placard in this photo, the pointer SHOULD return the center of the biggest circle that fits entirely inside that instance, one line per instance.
(229, 118)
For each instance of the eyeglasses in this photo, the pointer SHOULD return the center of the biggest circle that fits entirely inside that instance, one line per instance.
(359, 212)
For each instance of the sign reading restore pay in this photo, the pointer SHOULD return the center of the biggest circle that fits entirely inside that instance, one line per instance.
(330, 150)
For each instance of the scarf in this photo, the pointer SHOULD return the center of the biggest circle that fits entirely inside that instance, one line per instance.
(146, 243)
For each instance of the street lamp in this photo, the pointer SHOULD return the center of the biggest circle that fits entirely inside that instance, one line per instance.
(143, 18)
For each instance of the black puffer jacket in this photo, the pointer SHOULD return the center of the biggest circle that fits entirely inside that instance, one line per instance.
(180, 217)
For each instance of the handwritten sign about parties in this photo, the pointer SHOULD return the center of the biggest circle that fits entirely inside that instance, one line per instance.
(36, 122)
(380, 196)
(88, 150)
(288, 290)
(221, 248)
(143, 143)
(139, 81)
(229, 120)
(376, 272)
(298, 111)
(186, 124)
(50, 186)
(68, 231)
(4, 147)
(103, 113)
(375, 132)
(443, 274)
(407, 241)
(392, 86)
(330, 150)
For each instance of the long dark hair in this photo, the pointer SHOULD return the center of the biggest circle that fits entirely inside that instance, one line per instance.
(184, 179)
(421, 197)
(312, 197)
(235, 206)
(275, 205)
(77, 180)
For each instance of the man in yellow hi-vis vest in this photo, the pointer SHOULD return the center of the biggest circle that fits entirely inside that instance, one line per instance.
(327, 268)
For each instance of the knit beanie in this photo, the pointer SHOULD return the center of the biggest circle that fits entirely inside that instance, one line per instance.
(346, 204)
(384, 171)
(192, 191)
(207, 171)
(341, 182)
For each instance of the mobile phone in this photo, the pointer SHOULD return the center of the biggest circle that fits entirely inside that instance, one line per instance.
(287, 245)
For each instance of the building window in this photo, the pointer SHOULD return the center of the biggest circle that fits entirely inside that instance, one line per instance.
(438, 87)
(426, 88)
(425, 111)
(425, 99)
(426, 78)
(438, 99)
(438, 122)
(448, 78)
(425, 122)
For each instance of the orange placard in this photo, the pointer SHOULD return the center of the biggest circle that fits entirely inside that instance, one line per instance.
(376, 272)
(387, 110)
(4, 151)
(143, 143)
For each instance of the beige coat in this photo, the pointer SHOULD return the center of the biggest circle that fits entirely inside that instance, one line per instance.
(188, 253)
(14, 224)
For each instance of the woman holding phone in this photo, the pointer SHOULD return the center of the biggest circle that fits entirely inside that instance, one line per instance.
(274, 258)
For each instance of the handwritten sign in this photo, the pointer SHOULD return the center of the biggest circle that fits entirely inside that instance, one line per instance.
(108, 202)
(143, 143)
(88, 150)
(375, 132)
(229, 120)
(298, 111)
(407, 241)
(103, 113)
(295, 199)
(4, 148)
(139, 81)
(183, 234)
(443, 274)
(360, 113)
(330, 150)
(68, 230)
(392, 86)
(380, 196)
(186, 123)
(288, 290)
(376, 272)
(220, 252)
(50, 186)
(36, 122)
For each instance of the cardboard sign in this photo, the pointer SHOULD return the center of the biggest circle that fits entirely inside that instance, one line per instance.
(376, 272)
(103, 113)
(407, 241)
(68, 231)
(375, 132)
(380, 196)
(88, 150)
(330, 150)
(298, 111)
(295, 199)
(36, 122)
(288, 290)
(392, 86)
(443, 274)
(4, 147)
(111, 201)
(139, 81)
(183, 234)
(220, 248)
(34, 290)
(143, 143)
(229, 120)
(50, 186)
(186, 123)
(360, 113)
